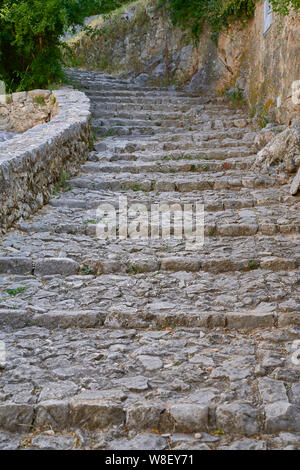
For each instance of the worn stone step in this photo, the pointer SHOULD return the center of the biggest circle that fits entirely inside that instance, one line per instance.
(144, 255)
(121, 146)
(181, 183)
(100, 96)
(223, 200)
(200, 114)
(153, 296)
(114, 106)
(113, 122)
(143, 376)
(168, 166)
(139, 143)
(219, 221)
(155, 343)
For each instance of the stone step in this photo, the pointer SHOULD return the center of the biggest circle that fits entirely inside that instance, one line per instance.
(170, 381)
(166, 166)
(200, 114)
(147, 99)
(180, 182)
(127, 318)
(212, 137)
(112, 122)
(115, 106)
(219, 222)
(206, 155)
(108, 131)
(200, 146)
(156, 93)
(165, 120)
(140, 255)
(133, 143)
(222, 200)
(151, 299)
(239, 158)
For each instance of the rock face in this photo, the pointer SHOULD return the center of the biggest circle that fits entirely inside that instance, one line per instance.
(6, 136)
(282, 153)
(144, 41)
(125, 343)
(22, 111)
(295, 184)
(265, 67)
(281, 150)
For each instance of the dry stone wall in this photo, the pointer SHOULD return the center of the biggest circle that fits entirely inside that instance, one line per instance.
(265, 65)
(31, 163)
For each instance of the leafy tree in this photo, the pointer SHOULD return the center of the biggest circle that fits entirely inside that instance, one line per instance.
(30, 32)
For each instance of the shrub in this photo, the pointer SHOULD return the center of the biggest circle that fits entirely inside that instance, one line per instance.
(218, 14)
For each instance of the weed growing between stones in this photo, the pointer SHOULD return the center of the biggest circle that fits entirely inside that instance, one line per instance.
(16, 291)
(62, 185)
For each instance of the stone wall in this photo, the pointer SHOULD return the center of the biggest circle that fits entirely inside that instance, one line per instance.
(22, 111)
(264, 65)
(31, 163)
(143, 41)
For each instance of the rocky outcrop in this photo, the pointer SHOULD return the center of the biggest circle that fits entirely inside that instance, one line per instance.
(32, 162)
(142, 41)
(282, 152)
(24, 110)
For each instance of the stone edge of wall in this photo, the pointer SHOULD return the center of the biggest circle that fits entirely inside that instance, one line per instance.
(31, 163)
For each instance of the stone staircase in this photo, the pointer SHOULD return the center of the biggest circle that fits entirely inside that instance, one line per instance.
(144, 344)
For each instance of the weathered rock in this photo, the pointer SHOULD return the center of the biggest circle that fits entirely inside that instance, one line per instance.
(16, 418)
(282, 416)
(295, 184)
(50, 266)
(272, 390)
(189, 418)
(280, 150)
(238, 418)
(143, 417)
(15, 265)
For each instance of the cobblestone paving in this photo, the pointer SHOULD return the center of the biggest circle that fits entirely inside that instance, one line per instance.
(138, 344)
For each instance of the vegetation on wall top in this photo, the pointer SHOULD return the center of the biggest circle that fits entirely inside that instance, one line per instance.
(218, 14)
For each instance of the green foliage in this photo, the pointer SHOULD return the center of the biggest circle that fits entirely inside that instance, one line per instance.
(18, 290)
(236, 97)
(218, 14)
(30, 38)
(285, 6)
(62, 185)
(40, 100)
